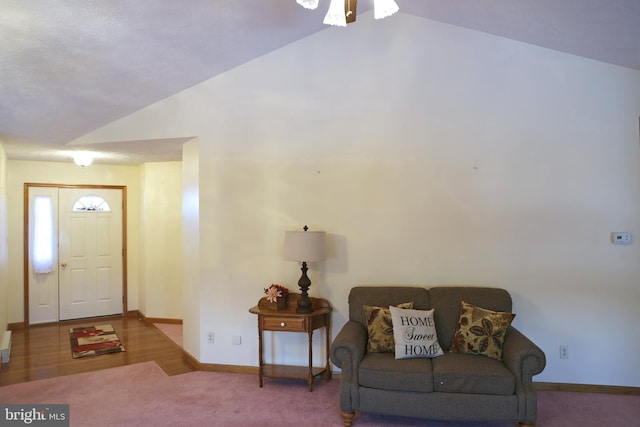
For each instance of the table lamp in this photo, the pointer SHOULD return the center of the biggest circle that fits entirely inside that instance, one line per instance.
(304, 246)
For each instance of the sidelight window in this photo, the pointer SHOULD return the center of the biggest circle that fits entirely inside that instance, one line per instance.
(43, 244)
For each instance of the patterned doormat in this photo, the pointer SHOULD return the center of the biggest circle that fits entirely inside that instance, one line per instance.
(94, 341)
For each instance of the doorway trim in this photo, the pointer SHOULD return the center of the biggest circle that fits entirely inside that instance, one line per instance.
(25, 238)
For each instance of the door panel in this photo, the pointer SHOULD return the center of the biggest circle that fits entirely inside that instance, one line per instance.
(74, 264)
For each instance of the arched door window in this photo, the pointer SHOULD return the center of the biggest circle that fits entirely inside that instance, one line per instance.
(91, 203)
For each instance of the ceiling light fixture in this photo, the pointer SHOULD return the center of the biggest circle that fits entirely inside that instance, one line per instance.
(82, 158)
(308, 4)
(384, 8)
(342, 12)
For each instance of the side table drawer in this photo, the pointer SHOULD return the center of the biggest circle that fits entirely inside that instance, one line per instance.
(294, 324)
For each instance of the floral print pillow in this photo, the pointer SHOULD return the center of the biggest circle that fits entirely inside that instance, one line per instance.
(481, 331)
(380, 328)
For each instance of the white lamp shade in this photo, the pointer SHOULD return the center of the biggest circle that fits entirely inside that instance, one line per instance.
(304, 246)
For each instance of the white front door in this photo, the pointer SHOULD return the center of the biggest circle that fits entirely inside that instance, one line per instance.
(75, 254)
(90, 252)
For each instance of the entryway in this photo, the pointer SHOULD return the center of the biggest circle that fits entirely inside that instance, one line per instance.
(44, 352)
(75, 252)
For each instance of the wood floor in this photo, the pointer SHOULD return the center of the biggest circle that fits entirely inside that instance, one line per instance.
(43, 352)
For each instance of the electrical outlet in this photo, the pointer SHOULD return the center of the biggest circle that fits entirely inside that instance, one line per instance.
(564, 352)
(210, 337)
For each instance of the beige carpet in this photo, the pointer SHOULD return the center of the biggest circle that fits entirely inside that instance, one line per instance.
(143, 395)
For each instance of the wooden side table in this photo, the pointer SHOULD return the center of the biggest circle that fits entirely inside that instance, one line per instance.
(287, 320)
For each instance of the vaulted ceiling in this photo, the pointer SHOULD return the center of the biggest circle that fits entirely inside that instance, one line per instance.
(68, 67)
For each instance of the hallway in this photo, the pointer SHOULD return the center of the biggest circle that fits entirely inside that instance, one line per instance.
(43, 352)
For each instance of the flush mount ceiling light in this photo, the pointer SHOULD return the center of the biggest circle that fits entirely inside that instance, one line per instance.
(342, 12)
(82, 158)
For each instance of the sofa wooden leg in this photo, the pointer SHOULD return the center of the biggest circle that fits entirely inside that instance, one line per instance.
(347, 418)
(527, 425)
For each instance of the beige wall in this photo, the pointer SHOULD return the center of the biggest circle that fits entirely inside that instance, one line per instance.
(161, 240)
(4, 253)
(157, 287)
(191, 326)
(431, 155)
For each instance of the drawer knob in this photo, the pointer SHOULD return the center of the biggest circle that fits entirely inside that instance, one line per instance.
(283, 324)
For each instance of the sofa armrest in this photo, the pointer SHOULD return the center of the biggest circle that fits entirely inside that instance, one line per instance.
(524, 359)
(347, 351)
(349, 346)
(522, 356)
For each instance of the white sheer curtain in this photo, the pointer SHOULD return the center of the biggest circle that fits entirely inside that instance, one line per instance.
(43, 245)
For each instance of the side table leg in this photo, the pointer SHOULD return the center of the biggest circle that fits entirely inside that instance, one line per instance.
(310, 376)
(260, 358)
(328, 333)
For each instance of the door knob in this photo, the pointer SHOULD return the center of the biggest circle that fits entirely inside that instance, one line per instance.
(64, 265)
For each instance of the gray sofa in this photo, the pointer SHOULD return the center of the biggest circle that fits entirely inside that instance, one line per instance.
(454, 386)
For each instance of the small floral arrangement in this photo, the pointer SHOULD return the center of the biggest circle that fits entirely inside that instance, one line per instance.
(275, 291)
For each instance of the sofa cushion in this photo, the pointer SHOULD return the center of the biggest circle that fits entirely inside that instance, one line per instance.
(481, 331)
(470, 373)
(380, 327)
(414, 333)
(383, 371)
